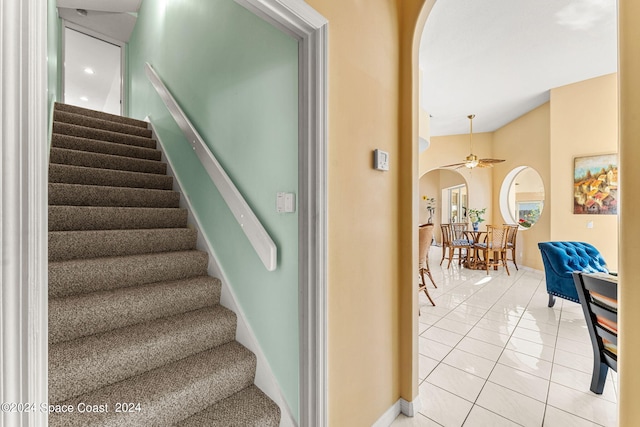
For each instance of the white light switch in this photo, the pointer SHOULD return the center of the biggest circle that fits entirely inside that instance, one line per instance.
(380, 160)
(285, 202)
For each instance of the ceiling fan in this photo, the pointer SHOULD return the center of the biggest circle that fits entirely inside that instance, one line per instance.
(472, 161)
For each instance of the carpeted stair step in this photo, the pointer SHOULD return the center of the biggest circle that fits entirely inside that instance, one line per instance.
(96, 123)
(97, 195)
(169, 393)
(98, 274)
(102, 135)
(65, 156)
(114, 178)
(247, 408)
(100, 115)
(85, 364)
(95, 146)
(67, 245)
(87, 314)
(67, 218)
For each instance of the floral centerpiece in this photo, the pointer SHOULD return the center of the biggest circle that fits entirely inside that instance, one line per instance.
(475, 215)
(431, 207)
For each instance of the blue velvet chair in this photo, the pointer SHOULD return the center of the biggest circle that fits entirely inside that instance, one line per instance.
(561, 259)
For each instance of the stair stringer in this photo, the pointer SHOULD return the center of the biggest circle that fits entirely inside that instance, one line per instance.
(264, 378)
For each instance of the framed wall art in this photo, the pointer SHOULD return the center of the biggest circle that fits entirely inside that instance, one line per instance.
(595, 185)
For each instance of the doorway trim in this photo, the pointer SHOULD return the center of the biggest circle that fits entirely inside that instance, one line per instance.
(23, 209)
(309, 28)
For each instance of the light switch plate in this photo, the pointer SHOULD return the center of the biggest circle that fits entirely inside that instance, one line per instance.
(285, 202)
(380, 160)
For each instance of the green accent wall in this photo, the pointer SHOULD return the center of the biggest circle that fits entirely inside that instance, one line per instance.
(236, 77)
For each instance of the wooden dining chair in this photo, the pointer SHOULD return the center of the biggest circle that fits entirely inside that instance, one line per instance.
(598, 294)
(494, 248)
(511, 242)
(451, 242)
(425, 233)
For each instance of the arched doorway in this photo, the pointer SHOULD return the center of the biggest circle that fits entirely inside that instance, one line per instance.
(423, 17)
(446, 192)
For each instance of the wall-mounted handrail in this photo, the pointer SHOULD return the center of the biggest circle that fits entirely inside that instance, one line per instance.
(255, 232)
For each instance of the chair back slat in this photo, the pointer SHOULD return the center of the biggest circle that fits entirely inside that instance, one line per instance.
(497, 236)
(598, 294)
(458, 230)
(446, 234)
(425, 236)
(512, 233)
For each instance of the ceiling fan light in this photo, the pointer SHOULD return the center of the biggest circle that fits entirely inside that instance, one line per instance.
(471, 163)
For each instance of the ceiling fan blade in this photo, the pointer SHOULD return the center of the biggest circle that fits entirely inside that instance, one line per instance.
(491, 160)
(453, 165)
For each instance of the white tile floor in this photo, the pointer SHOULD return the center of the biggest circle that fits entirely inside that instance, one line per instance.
(493, 354)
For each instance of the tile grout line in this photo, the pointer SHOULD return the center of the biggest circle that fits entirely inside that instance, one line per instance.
(503, 348)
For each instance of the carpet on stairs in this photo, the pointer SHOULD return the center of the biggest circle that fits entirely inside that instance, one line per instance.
(137, 335)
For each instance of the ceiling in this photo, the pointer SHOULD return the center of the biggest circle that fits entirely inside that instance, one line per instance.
(112, 18)
(498, 59)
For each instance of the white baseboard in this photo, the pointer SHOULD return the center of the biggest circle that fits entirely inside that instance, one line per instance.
(410, 409)
(264, 379)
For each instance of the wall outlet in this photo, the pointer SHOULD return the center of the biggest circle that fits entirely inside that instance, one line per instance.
(589, 224)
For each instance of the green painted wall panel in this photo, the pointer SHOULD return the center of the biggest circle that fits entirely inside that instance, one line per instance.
(235, 76)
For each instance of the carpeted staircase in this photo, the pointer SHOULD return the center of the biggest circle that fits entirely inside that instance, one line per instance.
(134, 320)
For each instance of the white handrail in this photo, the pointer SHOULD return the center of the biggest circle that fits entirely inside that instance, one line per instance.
(255, 232)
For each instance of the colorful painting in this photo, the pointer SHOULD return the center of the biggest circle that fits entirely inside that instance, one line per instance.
(595, 185)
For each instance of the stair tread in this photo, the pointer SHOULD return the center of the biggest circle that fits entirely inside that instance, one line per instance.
(170, 393)
(90, 159)
(58, 106)
(98, 123)
(80, 315)
(105, 147)
(82, 244)
(102, 135)
(249, 407)
(64, 218)
(99, 195)
(84, 364)
(71, 174)
(95, 274)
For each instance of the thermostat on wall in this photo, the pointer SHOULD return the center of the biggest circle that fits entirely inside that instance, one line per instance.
(380, 160)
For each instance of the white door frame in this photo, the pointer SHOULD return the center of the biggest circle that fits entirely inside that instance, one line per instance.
(23, 210)
(24, 198)
(303, 23)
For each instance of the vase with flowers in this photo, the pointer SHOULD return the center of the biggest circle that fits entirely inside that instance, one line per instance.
(475, 215)
(431, 207)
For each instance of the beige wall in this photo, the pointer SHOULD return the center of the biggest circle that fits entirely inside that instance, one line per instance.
(584, 121)
(372, 340)
(525, 142)
(629, 291)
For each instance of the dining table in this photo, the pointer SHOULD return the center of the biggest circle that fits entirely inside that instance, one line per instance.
(472, 261)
